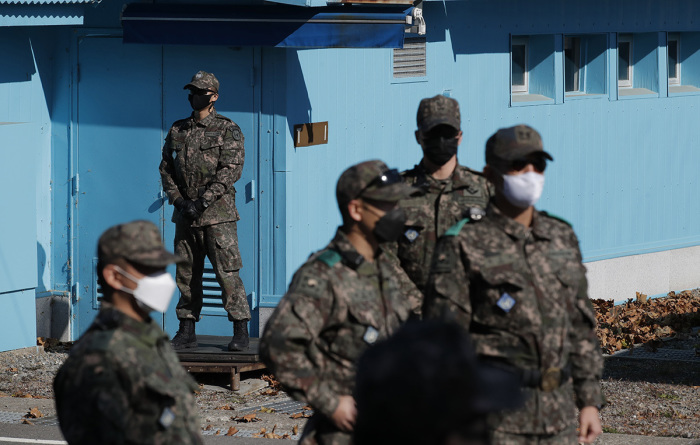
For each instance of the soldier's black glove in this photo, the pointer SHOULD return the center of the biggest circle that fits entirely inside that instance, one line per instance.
(179, 203)
(200, 205)
(190, 211)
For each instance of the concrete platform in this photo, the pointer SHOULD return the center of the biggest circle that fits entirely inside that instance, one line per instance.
(212, 355)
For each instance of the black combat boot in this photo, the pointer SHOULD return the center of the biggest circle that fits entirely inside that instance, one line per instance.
(185, 337)
(239, 342)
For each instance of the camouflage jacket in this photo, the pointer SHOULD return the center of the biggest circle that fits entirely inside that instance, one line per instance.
(204, 159)
(429, 214)
(123, 384)
(522, 293)
(336, 306)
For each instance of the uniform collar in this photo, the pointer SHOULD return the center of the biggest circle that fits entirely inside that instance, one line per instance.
(511, 227)
(344, 247)
(460, 178)
(206, 121)
(146, 331)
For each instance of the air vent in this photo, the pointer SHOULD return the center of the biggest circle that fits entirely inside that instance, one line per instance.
(409, 61)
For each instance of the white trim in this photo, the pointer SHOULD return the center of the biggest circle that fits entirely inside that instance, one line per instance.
(629, 82)
(519, 41)
(18, 440)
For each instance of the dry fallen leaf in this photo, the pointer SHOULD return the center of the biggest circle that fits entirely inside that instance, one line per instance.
(252, 417)
(307, 408)
(34, 413)
(300, 415)
(27, 422)
(295, 430)
(227, 407)
(208, 427)
(231, 431)
(12, 369)
(264, 409)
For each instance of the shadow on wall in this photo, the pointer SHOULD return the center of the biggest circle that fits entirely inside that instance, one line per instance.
(298, 103)
(17, 50)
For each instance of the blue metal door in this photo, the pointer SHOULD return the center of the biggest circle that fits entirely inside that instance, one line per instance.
(234, 67)
(118, 115)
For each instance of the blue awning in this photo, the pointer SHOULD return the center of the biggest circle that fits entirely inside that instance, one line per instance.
(42, 12)
(280, 26)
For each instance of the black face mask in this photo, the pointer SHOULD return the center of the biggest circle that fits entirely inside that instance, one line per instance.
(439, 150)
(199, 101)
(390, 226)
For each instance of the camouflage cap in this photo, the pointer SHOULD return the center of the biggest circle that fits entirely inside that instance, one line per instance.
(438, 110)
(203, 81)
(138, 242)
(371, 180)
(509, 144)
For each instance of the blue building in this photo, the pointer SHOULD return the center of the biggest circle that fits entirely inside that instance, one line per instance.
(89, 89)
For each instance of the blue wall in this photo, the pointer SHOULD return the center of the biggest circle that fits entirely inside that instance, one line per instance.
(623, 168)
(623, 171)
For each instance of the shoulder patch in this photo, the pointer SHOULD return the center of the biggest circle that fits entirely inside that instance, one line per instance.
(330, 257)
(558, 218)
(454, 230)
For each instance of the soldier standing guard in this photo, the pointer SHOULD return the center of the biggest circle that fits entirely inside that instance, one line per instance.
(513, 277)
(342, 300)
(122, 382)
(447, 189)
(202, 157)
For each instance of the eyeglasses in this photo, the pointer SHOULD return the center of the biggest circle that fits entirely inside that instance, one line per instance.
(539, 163)
(387, 178)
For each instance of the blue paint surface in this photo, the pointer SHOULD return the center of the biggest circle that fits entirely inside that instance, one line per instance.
(19, 330)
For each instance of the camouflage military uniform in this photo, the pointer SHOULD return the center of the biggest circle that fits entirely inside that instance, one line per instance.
(522, 293)
(123, 383)
(336, 306)
(203, 160)
(439, 206)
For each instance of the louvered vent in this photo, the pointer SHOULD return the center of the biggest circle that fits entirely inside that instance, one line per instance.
(409, 61)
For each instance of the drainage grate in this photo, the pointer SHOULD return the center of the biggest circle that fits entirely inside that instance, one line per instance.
(680, 355)
(290, 407)
(6, 417)
(241, 433)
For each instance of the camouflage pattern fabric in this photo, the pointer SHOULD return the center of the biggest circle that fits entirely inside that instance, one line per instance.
(202, 160)
(335, 308)
(123, 383)
(522, 294)
(437, 208)
(566, 437)
(219, 242)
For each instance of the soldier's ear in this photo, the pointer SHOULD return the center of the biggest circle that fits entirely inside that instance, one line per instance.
(112, 277)
(459, 137)
(418, 136)
(214, 97)
(355, 210)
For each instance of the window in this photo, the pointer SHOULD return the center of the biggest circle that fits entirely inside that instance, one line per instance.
(572, 63)
(518, 63)
(532, 69)
(624, 61)
(585, 65)
(683, 51)
(638, 64)
(674, 59)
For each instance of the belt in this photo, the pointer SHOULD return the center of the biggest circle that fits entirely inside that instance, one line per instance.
(195, 192)
(547, 380)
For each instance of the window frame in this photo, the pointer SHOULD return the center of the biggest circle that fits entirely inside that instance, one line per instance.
(629, 82)
(577, 76)
(520, 89)
(674, 37)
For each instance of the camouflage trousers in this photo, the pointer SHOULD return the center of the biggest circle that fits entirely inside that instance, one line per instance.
(218, 242)
(566, 437)
(319, 430)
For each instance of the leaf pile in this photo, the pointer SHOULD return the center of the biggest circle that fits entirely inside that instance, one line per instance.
(645, 320)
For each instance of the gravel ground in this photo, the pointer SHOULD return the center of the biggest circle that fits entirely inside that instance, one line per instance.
(646, 396)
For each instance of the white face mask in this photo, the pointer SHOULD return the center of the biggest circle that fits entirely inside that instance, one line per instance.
(153, 292)
(523, 190)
